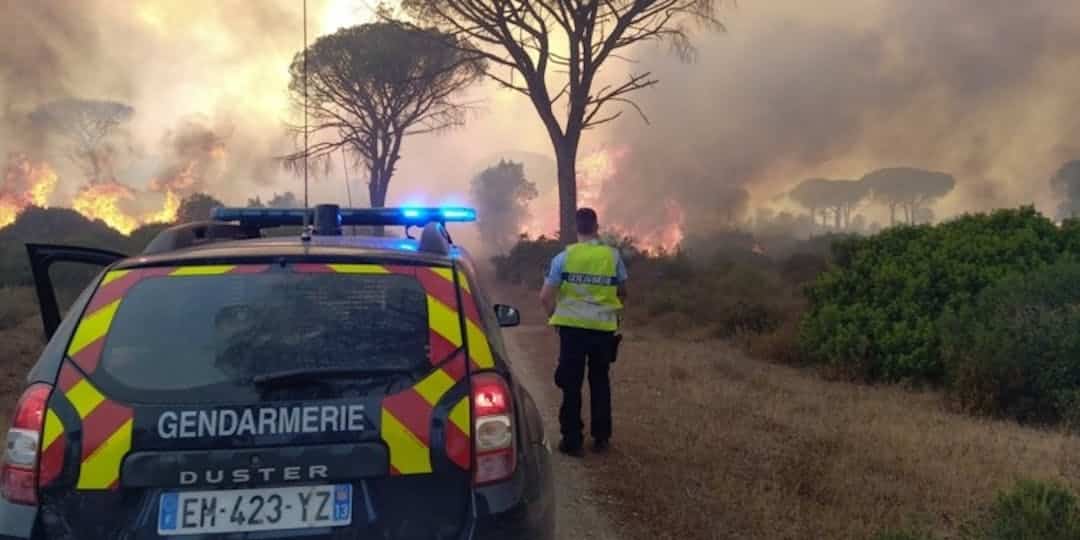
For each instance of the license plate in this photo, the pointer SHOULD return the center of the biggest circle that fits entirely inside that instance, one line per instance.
(240, 510)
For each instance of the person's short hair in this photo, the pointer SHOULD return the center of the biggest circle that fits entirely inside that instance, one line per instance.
(586, 221)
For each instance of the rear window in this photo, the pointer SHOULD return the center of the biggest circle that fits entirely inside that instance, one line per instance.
(178, 334)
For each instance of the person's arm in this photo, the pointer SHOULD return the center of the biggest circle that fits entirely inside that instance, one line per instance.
(620, 277)
(549, 293)
(548, 297)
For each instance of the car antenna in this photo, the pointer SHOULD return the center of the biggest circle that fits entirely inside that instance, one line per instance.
(348, 190)
(305, 234)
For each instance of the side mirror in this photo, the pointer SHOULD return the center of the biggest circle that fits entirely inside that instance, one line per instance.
(507, 315)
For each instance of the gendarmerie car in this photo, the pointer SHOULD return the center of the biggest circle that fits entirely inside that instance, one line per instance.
(224, 384)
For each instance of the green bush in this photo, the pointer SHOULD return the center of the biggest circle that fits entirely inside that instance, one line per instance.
(1016, 349)
(1031, 511)
(876, 313)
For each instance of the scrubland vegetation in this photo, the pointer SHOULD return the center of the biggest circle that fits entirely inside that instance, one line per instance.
(930, 385)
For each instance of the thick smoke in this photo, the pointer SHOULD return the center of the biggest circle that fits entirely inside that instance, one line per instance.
(196, 155)
(981, 89)
(224, 63)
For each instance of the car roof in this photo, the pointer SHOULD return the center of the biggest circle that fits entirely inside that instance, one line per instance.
(315, 248)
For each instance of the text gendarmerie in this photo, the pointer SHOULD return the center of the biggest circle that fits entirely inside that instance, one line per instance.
(197, 424)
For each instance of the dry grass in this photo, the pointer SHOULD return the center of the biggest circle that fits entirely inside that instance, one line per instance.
(20, 345)
(710, 444)
(16, 305)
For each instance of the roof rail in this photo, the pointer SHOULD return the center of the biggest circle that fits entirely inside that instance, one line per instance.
(197, 233)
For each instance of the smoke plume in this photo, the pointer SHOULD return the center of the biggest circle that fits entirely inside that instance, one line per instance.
(981, 89)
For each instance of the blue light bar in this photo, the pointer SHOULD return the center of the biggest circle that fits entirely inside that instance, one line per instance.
(458, 214)
(279, 217)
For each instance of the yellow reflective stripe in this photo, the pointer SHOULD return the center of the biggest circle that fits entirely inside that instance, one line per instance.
(479, 349)
(93, 327)
(54, 428)
(407, 454)
(358, 269)
(84, 397)
(208, 270)
(113, 276)
(102, 468)
(434, 386)
(459, 415)
(444, 321)
(448, 275)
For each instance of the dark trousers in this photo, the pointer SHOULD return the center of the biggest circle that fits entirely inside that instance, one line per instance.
(579, 348)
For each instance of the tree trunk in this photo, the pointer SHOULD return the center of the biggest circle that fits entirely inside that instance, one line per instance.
(377, 196)
(838, 216)
(566, 160)
(892, 215)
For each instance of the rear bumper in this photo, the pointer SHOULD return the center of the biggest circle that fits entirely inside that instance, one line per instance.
(16, 521)
(522, 522)
(522, 508)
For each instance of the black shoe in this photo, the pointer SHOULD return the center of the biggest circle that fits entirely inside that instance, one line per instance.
(601, 445)
(572, 450)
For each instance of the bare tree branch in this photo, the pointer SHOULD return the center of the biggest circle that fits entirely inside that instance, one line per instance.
(519, 35)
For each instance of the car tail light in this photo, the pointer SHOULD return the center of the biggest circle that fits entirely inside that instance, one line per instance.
(18, 475)
(493, 429)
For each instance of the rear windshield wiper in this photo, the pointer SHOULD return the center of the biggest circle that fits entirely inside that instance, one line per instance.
(307, 374)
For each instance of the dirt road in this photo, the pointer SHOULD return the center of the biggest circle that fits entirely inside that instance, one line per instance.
(532, 348)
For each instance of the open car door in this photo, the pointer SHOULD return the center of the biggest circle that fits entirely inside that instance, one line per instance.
(42, 257)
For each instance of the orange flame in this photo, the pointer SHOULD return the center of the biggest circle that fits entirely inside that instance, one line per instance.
(168, 212)
(25, 183)
(598, 177)
(102, 201)
(669, 235)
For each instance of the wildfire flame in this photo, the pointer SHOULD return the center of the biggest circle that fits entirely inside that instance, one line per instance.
(103, 201)
(168, 212)
(25, 183)
(669, 235)
(598, 177)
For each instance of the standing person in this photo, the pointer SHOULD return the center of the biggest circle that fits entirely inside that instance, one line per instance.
(583, 294)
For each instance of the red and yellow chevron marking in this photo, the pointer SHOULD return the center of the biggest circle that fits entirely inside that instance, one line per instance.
(106, 430)
(53, 444)
(442, 301)
(458, 442)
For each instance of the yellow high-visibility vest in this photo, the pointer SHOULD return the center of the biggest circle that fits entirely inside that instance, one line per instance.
(588, 295)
